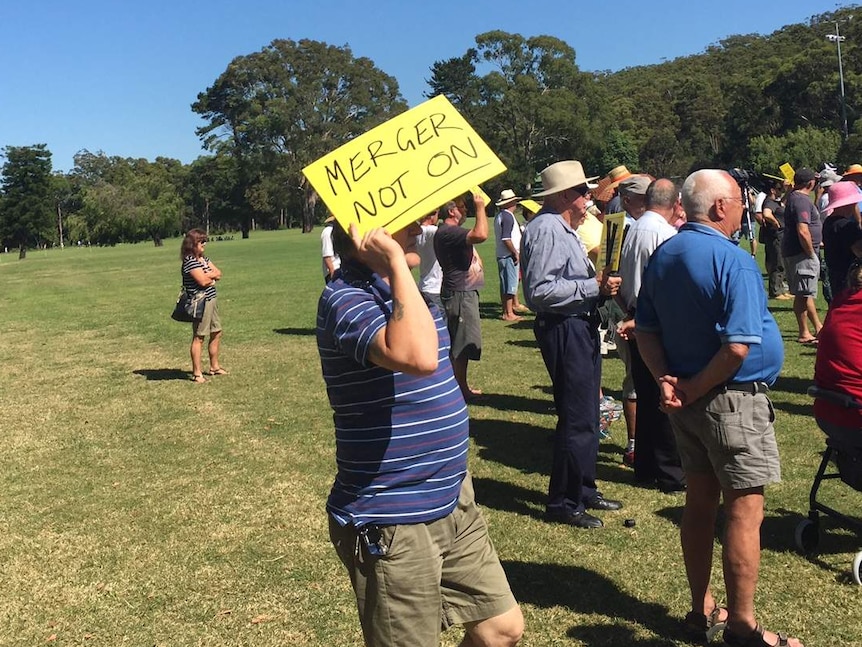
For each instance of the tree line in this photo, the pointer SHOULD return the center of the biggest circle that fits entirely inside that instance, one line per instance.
(748, 101)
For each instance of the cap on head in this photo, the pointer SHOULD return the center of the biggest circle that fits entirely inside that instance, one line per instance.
(561, 176)
(804, 176)
(853, 169)
(635, 185)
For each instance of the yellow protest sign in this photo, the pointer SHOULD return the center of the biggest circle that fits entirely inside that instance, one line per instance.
(477, 190)
(530, 205)
(403, 169)
(612, 241)
(787, 171)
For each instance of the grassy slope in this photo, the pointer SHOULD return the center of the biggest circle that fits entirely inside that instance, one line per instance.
(138, 508)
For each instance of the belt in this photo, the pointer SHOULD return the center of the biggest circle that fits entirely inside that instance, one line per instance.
(585, 316)
(747, 387)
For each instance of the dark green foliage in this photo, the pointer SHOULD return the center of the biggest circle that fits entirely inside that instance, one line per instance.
(275, 111)
(27, 200)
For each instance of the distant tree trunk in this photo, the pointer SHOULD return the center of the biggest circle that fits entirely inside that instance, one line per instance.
(157, 241)
(308, 206)
(22, 252)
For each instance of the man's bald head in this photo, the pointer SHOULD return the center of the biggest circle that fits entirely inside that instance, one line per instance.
(661, 194)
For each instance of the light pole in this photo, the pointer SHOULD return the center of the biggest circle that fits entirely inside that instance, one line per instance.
(837, 38)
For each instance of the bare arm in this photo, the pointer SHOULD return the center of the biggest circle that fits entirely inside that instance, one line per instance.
(408, 341)
(479, 232)
(202, 278)
(214, 272)
(723, 365)
(770, 219)
(330, 266)
(805, 239)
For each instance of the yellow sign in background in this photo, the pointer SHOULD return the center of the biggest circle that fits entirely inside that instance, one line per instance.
(612, 241)
(403, 169)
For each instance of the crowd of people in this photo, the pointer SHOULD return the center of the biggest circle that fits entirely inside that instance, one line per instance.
(688, 309)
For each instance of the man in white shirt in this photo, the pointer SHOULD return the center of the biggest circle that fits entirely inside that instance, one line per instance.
(508, 236)
(430, 274)
(331, 260)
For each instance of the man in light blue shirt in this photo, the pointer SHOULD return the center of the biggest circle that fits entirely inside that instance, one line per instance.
(562, 287)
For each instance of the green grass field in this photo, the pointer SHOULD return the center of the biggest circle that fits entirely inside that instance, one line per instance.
(137, 508)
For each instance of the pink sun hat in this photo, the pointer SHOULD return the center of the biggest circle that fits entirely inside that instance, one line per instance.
(841, 194)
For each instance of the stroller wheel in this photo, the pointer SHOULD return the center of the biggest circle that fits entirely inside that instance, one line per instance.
(857, 568)
(807, 536)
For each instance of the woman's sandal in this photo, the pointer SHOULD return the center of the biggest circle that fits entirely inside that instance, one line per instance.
(706, 626)
(198, 379)
(754, 639)
(217, 371)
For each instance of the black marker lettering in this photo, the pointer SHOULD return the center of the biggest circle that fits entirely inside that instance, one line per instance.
(454, 148)
(358, 205)
(437, 120)
(408, 146)
(439, 170)
(354, 167)
(377, 145)
(335, 174)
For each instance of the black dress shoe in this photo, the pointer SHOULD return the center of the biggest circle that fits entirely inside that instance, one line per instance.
(601, 503)
(671, 488)
(576, 519)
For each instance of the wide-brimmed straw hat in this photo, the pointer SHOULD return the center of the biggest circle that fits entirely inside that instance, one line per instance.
(842, 194)
(609, 182)
(561, 176)
(853, 169)
(506, 196)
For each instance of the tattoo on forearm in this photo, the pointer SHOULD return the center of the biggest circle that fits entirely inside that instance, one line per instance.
(397, 310)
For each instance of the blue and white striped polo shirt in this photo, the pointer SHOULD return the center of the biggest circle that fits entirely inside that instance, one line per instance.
(401, 440)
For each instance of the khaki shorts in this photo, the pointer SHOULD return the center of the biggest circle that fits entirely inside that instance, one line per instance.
(462, 320)
(802, 273)
(434, 575)
(731, 435)
(210, 322)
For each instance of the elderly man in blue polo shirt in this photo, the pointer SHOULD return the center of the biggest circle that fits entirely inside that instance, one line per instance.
(562, 287)
(402, 516)
(714, 349)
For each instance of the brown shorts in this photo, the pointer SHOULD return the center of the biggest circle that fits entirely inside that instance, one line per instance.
(433, 575)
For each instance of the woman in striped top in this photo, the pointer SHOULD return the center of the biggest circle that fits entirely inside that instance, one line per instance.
(200, 274)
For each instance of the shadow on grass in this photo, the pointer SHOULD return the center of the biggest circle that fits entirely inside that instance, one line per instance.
(507, 402)
(155, 374)
(507, 497)
(522, 343)
(303, 332)
(586, 592)
(489, 310)
(518, 445)
(795, 385)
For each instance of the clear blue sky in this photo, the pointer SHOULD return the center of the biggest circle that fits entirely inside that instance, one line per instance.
(120, 76)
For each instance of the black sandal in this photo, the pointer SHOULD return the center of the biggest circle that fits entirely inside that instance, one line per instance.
(703, 626)
(198, 379)
(754, 639)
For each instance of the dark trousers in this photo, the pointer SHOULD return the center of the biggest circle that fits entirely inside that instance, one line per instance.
(774, 264)
(656, 456)
(570, 348)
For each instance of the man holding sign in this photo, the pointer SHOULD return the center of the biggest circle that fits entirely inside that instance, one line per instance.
(561, 286)
(402, 515)
(463, 277)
